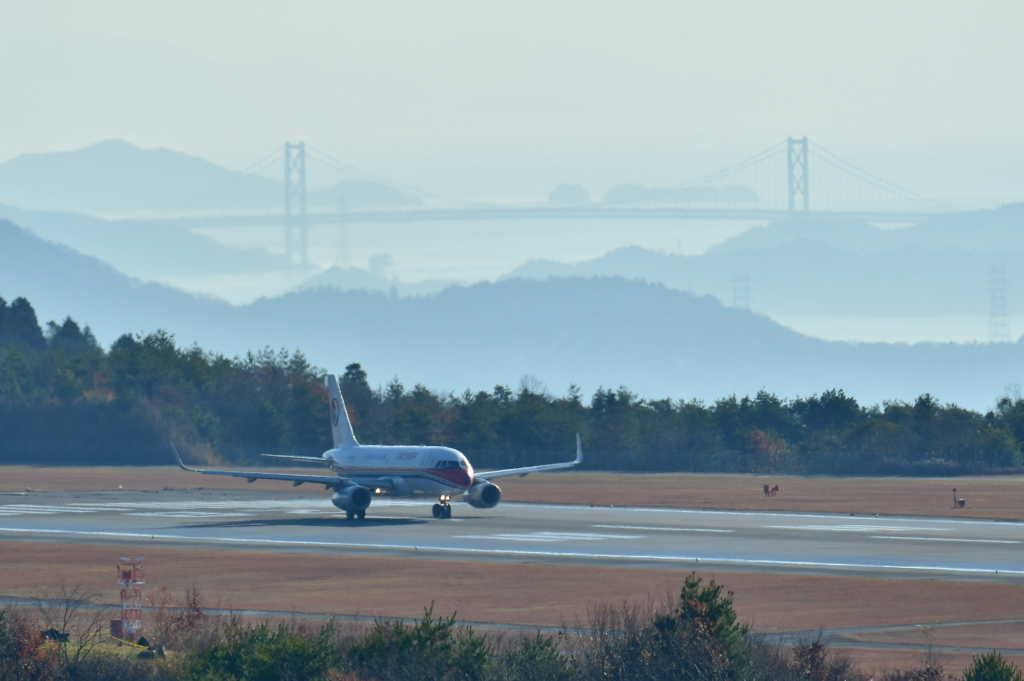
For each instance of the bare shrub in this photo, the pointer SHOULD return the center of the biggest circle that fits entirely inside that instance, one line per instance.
(75, 624)
(612, 644)
(812, 661)
(181, 624)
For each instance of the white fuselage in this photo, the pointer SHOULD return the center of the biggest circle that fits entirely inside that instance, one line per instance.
(403, 471)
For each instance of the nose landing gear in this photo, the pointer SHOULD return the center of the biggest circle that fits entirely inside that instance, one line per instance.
(443, 510)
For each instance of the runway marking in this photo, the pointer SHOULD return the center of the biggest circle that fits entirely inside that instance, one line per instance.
(855, 528)
(231, 505)
(38, 509)
(747, 515)
(978, 541)
(190, 514)
(534, 553)
(661, 529)
(549, 536)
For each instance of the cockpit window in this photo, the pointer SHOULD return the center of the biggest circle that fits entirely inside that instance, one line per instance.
(451, 464)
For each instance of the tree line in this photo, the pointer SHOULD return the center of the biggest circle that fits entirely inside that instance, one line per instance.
(696, 637)
(64, 399)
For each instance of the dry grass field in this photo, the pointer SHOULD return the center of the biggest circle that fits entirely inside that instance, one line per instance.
(986, 497)
(524, 593)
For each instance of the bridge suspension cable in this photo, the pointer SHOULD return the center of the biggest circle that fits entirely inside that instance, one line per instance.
(219, 188)
(822, 154)
(736, 167)
(331, 162)
(350, 170)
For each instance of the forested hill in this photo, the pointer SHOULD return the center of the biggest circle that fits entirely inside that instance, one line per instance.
(609, 332)
(591, 332)
(64, 399)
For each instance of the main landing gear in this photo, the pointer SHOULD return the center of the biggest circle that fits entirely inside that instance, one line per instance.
(443, 510)
(356, 515)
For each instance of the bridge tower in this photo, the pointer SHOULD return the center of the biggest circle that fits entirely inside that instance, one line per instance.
(295, 202)
(797, 163)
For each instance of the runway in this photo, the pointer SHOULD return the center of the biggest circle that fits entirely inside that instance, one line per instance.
(829, 544)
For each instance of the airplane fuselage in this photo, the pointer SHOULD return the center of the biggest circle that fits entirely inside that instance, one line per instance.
(403, 471)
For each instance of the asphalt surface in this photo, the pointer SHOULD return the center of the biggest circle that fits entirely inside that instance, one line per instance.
(777, 542)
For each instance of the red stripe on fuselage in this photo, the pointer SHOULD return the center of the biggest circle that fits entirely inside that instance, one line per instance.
(458, 477)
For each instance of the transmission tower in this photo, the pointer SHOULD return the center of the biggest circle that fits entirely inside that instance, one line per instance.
(998, 311)
(130, 576)
(741, 291)
(796, 159)
(295, 202)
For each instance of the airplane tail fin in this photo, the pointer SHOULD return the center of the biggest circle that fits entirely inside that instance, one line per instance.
(341, 427)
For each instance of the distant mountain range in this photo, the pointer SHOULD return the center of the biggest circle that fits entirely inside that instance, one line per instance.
(356, 279)
(813, 278)
(142, 250)
(116, 178)
(59, 281)
(985, 231)
(606, 332)
(943, 266)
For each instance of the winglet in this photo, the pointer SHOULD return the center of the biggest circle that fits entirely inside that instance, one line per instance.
(579, 451)
(178, 457)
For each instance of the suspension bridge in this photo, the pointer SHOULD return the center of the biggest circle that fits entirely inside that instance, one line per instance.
(795, 177)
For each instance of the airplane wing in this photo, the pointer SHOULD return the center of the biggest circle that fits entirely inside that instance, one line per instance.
(523, 472)
(252, 476)
(310, 459)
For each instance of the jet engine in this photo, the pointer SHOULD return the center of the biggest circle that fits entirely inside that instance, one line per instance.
(483, 494)
(352, 498)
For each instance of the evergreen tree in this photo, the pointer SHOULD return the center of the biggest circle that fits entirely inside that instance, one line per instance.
(992, 667)
(20, 326)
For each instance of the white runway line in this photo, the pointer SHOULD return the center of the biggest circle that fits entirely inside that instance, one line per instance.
(661, 529)
(973, 541)
(190, 514)
(855, 528)
(39, 509)
(549, 536)
(172, 509)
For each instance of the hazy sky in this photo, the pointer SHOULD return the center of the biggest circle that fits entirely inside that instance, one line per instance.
(511, 98)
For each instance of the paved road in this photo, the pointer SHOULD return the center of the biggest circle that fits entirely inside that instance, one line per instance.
(977, 550)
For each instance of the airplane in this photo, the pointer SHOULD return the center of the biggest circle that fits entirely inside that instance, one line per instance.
(364, 471)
